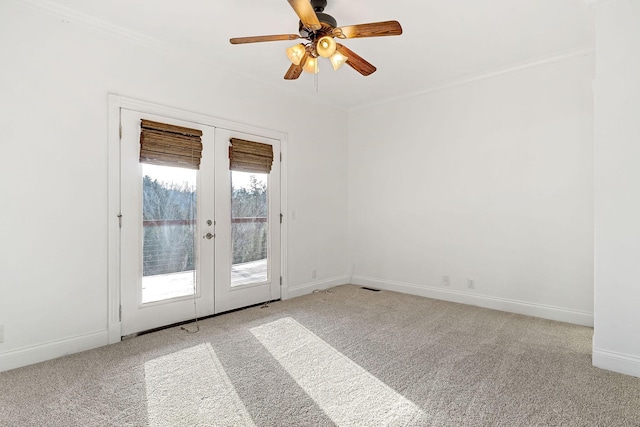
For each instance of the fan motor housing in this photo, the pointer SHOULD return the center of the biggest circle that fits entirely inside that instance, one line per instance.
(326, 19)
(328, 23)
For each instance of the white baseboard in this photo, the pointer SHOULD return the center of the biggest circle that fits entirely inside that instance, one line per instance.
(39, 353)
(512, 306)
(616, 362)
(308, 288)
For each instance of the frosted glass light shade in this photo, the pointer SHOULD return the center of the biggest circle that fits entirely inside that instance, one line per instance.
(311, 66)
(337, 60)
(295, 53)
(326, 46)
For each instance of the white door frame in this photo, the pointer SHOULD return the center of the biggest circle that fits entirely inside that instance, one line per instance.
(115, 104)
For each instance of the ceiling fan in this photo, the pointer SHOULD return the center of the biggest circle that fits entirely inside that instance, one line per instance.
(320, 31)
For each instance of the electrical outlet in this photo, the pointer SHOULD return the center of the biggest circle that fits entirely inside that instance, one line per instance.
(1, 333)
(314, 273)
(471, 283)
(445, 280)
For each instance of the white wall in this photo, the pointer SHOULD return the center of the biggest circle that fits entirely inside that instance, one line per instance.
(54, 81)
(490, 180)
(616, 342)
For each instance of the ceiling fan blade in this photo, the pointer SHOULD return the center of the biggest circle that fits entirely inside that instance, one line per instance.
(295, 70)
(355, 61)
(305, 12)
(257, 39)
(373, 29)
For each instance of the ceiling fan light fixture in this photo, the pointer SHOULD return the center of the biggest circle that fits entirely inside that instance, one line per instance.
(311, 66)
(296, 53)
(321, 34)
(326, 46)
(337, 60)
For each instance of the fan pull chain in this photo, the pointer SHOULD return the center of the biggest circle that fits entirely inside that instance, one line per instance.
(316, 78)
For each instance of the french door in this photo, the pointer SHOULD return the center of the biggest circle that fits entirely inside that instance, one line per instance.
(195, 242)
(247, 246)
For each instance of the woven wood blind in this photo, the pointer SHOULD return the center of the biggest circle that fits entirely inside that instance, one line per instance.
(248, 156)
(168, 145)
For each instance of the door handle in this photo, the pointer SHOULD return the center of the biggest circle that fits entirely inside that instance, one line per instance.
(209, 236)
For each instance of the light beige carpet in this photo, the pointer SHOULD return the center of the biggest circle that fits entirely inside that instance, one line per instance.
(350, 357)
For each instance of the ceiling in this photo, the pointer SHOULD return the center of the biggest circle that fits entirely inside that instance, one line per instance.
(444, 41)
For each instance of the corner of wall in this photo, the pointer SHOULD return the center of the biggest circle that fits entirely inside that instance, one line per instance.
(616, 362)
(319, 285)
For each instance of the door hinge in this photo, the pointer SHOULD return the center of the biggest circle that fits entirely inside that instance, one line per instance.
(281, 156)
(120, 220)
(120, 313)
(120, 131)
(280, 280)
(281, 216)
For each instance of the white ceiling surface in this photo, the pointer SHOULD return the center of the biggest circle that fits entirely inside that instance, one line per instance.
(444, 41)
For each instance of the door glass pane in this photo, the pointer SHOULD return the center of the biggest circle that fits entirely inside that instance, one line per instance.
(249, 228)
(169, 223)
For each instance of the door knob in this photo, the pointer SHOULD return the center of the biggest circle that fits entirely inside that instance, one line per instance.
(209, 236)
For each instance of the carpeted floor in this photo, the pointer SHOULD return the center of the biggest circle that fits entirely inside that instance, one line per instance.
(344, 357)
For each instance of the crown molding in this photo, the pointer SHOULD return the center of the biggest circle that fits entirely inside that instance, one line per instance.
(595, 3)
(71, 15)
(533, 63)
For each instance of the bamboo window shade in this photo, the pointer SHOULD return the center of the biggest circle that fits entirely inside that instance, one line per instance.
(248, 156)
(169, 145)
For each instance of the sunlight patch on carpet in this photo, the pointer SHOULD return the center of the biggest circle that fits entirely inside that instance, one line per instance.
(345, 391)
(190, 387)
